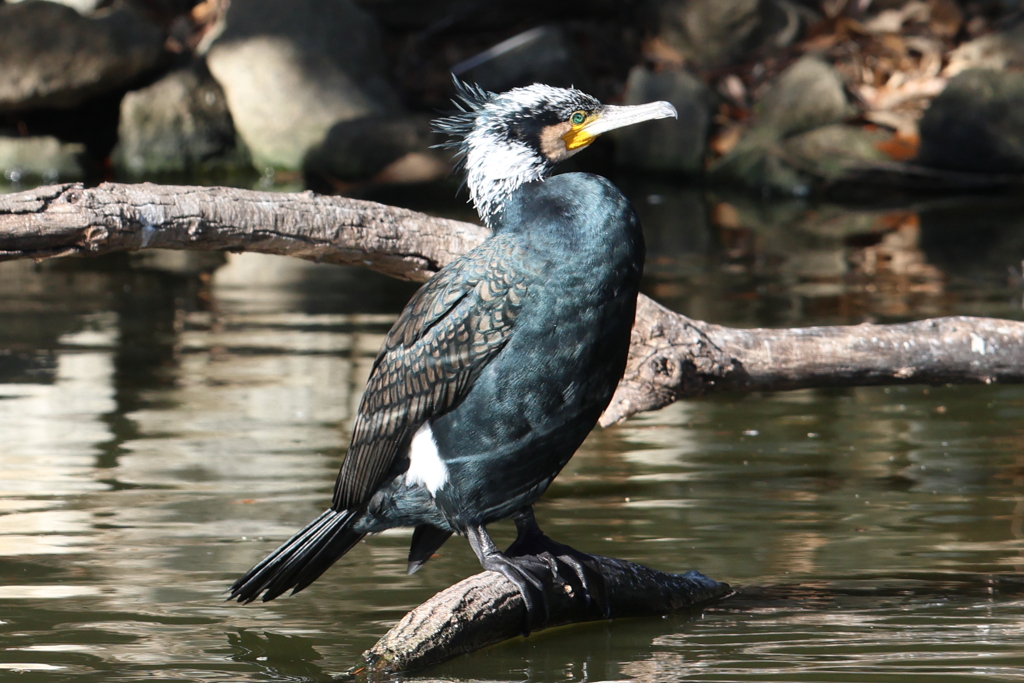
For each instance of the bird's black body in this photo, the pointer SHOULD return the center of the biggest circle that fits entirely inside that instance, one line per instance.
(489, 381)
(570, 252)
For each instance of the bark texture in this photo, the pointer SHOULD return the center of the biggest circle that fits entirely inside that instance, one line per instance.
(671, 357)
(66, 220)
(487, 608)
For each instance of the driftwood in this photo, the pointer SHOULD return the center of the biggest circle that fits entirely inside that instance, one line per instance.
(487, 608)
(671, 356)
(66, 220)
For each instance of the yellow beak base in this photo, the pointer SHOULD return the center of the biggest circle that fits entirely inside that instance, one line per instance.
(577, 139)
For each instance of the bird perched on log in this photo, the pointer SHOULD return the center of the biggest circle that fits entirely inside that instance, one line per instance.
(501, 364)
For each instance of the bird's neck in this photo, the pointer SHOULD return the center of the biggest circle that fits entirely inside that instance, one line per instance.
(494, 171)
(575, 222)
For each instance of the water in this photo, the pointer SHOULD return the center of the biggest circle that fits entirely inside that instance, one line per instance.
(161, 432)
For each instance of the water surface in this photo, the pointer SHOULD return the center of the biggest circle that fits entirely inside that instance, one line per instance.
(160, 431)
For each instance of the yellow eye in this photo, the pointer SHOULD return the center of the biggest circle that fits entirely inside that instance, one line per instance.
(578, 118)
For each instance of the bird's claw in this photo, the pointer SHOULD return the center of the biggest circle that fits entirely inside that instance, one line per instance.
(558, 557)
(525, 573)
(535, 565)
(595, 592)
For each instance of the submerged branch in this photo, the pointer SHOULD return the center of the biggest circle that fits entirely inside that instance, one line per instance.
(671, 357)
(487, 608)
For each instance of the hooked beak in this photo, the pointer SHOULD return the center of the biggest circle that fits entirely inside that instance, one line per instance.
(612, 117)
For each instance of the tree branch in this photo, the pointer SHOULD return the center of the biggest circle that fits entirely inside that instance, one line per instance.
(65, 220)
(487, 608)
(671, 357)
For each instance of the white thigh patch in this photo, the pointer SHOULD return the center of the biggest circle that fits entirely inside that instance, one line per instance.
(425, 464)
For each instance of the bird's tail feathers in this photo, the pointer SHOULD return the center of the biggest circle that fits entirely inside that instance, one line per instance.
(301, 559)
(426, 540)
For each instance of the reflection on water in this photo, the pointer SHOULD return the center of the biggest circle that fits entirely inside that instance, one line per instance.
(786, 263)
(160, 432)
(943, 628)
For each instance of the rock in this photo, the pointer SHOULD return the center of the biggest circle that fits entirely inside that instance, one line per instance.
(431, 17)
(363, 147)
(976, 124)
(81, 6)
(416, 167)
(172, 9)
(710, 34)
(996, 51)
(829, 152)
(292, 71)
(42, 158)
(666, 145)
(808, 94)
(51, 56)
(707, 34)
(756, 162)
(412, 15)
(180, 124)
(544, 54)
(798, 164)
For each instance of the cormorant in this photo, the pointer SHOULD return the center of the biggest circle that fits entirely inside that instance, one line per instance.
(501, 363)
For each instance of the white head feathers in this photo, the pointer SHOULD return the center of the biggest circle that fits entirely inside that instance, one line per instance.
(497, 137)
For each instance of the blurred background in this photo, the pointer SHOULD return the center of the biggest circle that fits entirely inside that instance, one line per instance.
(782, 96)
(166, 418)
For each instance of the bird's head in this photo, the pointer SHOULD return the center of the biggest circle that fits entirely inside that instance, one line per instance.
(507, 139)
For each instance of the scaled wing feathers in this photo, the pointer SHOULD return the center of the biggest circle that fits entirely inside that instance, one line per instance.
(449, 331)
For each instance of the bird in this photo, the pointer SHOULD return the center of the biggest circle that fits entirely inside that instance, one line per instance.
(502, 363)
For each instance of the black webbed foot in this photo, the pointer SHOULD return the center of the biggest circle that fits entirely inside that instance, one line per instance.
(532, 542)
(536, 565)
(527, 573)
